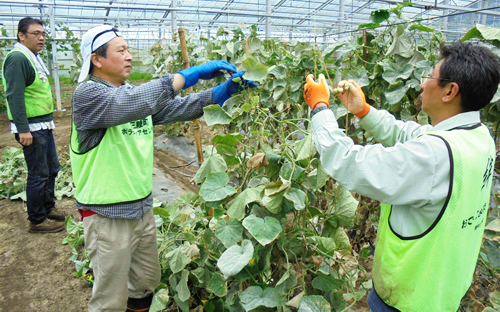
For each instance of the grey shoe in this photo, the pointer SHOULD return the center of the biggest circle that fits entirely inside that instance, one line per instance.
(56, 215)
(48, 226)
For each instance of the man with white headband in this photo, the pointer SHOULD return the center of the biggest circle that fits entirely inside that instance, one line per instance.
(112, 162)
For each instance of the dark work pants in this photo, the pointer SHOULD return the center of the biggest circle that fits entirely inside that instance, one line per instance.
(43, 166)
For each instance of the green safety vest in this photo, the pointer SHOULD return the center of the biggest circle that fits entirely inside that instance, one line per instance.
(119, 169)
(37, 96)
(434, 270)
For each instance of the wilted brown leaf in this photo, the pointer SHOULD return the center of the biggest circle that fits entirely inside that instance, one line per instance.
(258, 161)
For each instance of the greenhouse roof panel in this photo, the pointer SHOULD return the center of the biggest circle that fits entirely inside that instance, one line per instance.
(297, 16)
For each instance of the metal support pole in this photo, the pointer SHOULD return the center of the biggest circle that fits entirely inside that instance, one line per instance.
(55, 64)
(268, 19)
(174, 19)
(484, 16)
(341, 17)
(445, 12)
(324, 40)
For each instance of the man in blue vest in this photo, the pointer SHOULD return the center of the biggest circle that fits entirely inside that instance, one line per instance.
(112, 162)
(434, 180)
(29, 107)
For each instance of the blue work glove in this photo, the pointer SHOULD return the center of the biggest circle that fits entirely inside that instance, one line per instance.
(224, 91)
(208, 70)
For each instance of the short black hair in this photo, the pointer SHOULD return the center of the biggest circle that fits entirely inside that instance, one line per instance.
(475, 69)
(102, 51)
(25, 24)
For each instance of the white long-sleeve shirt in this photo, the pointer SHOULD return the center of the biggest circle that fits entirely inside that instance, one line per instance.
(410, 173)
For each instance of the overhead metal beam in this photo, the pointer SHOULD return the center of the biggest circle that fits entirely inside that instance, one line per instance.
(321, 6)
(225, 7)
(279, 4)
(108, 9)
(426, 5)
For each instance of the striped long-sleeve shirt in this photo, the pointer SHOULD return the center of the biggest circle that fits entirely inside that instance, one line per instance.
(101, 105)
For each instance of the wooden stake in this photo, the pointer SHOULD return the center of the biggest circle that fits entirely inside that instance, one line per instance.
(247, 47)
(196, 122)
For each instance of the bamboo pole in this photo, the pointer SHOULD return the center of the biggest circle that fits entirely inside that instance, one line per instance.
(196, 122)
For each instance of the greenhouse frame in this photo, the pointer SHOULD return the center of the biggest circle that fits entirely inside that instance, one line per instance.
(143, 22)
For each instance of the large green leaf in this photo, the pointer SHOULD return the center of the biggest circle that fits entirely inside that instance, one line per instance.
(160, 300)
(229, 233)
(393, 71)
(481, 32)
(215, 115)
(273, 195)
(401, 45)
(279, 72)
(493, 250)
(419, 26)
(254, 70)
(278, 92)
(395, 92)
(236, 207)
(314, 304)
(341, 239)
(305, 148)
(177, 260)
(263, 230)
(317, 178)
(379, 16)
(325, 244)
(217, 285)
(326, 282)
(297, 197)
(360, 75)
(345, 206)
(211, 164)
(228, 139)
(214, 188)
(254, 297)
(235, 258)
(182, 288)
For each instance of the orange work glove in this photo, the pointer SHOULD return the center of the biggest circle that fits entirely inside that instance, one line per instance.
(315, 93)
(353, 98)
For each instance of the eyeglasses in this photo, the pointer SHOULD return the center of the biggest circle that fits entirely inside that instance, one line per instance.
(38, 34)
(426, 75)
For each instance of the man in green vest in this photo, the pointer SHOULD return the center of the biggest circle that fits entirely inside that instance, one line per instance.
(112, 161)
(434, 180)
(29, 107)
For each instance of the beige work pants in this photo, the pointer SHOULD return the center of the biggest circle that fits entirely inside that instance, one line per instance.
(124, 257)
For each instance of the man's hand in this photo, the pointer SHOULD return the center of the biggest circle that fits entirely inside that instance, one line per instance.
(315, 93)
(352, 97)
(224, 91)
(26, 138)
(208, 70)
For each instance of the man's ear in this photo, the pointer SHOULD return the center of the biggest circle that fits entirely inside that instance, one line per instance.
(95, 59)
(451, 92)
(21, 36)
